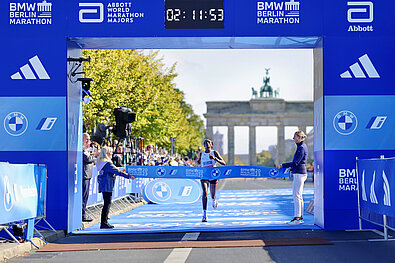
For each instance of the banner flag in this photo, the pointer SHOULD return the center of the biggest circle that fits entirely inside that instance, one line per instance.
(376, 181)
(207, 173)
(18, 191)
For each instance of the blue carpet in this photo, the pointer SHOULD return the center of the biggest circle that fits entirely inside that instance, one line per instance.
(261, 209)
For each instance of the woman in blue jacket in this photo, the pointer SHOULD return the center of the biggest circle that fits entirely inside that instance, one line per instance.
(106, 180)
(299, 172)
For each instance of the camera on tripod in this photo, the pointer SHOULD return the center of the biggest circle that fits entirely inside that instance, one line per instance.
(123, 118)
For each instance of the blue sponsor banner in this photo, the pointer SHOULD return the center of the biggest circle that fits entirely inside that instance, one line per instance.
(40, 174)
(376, 178)
(168, 191)
(359, 122)
(18, 191)
(32, 124)
(356, 18)
(365, 67)
(208, 173)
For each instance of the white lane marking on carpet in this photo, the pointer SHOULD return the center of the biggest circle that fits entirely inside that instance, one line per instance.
(190, 236)
(180, 255)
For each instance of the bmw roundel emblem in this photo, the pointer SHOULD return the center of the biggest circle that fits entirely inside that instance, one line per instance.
(273, 172)
(215, 173)
(161, 191)
(160, 172)
(15, 123)
(345, 122)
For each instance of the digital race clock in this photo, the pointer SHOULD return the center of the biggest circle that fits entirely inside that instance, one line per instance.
(194, 14)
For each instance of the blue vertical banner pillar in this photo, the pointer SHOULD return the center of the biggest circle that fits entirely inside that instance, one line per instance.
(358, 99)
(33, 108)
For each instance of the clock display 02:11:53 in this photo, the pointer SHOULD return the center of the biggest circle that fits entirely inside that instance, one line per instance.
(212, 14)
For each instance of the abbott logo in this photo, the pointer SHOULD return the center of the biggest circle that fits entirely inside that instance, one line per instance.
(28, 73)
(357, 71)
(95, 10)
(362, 14)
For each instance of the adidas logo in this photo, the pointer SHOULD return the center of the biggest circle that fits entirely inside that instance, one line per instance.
(358, 72)
(27, 71)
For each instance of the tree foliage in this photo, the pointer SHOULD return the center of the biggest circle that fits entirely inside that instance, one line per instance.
(264, 158)
(142, 83)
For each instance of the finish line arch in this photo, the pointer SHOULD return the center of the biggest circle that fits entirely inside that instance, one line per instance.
(353, 92)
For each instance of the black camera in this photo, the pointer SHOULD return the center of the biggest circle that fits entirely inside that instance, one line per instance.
(123, 117)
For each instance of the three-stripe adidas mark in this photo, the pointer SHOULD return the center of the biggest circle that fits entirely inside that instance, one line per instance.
(357, 70)
(27, 71)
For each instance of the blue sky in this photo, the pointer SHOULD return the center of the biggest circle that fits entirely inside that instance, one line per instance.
(229, 74)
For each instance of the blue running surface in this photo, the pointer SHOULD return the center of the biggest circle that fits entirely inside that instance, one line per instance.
(261, 209)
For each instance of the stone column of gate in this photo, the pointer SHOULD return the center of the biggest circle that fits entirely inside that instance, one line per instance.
(209, 132)
(280, 144)
(302, 128)
(231, 145)
(252, 145)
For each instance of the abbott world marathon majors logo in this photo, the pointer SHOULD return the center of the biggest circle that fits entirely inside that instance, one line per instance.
(345, 122)
(271, 12)
(31, 13)
(112, 13)
(15, 123)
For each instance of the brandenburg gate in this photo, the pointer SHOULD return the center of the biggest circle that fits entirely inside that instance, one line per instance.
(258, 112)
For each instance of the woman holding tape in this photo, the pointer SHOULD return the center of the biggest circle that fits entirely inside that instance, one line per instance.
(299, 172)
(209, 158)
(106, 180)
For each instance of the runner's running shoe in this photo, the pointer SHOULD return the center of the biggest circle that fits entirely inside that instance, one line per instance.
(204, 219)
(215, 203)
(296, 221)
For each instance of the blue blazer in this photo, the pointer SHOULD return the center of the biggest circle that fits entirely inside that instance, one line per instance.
(298, 164)
(106, 177)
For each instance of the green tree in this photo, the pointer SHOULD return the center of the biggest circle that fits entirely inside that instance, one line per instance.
(264, 158)
(142, 83)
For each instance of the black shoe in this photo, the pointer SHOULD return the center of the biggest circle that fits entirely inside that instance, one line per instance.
(87, 219)
(106, 226)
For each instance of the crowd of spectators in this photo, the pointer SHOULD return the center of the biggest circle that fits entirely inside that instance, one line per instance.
(151, 155)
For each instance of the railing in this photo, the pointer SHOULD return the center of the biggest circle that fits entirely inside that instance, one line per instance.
(376, 193)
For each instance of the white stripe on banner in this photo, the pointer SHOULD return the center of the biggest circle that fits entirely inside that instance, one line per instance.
(387, 195)
(373, 198)
(39, 68)
(27, 72)
(364, 198)
(357, 71)
(368, 66)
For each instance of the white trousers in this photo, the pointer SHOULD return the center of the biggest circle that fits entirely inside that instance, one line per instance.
(297, 190)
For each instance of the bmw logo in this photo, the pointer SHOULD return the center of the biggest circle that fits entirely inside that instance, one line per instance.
(345, 122)
(15, 123)
(273, 172)
(160, 172)
(161, 191)
(215, 173)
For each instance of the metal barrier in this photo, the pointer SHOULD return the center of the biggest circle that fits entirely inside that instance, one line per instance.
(375, 197)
